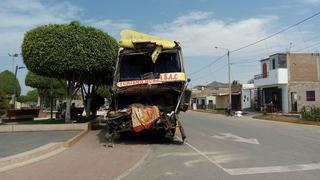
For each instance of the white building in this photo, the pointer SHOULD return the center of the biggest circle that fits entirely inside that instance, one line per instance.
(247, 93)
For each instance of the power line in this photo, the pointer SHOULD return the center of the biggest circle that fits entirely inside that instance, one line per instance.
(279, 32)
(246, 62)
(208, 65)
(256, 42)
(313, 45)
(210, 73)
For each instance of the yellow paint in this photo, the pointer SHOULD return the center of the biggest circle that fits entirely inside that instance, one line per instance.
(155, 54)
(129, 37)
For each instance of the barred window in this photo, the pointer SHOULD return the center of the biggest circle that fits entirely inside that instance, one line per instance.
(311, 95)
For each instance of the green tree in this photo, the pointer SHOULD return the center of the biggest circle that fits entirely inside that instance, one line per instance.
(44, 85)
(7, 82)
(3, 103)
(104, 91)
(32, 96)
(76, 53)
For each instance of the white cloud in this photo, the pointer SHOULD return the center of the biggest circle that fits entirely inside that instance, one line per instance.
(311, 1)
(18, 16)
(110, 26)
(199, 33)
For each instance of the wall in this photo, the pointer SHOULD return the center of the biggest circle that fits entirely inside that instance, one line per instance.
(304, 67)
(285, 98)
(212, 98)
(275, 77)
(222, 102)
(246, 99)
(301, 89)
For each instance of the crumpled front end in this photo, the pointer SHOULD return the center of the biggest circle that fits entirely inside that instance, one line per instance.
(149, 85)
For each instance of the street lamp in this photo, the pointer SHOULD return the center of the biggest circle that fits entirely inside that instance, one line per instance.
(13, 60)
(229, 76)
(14, 86)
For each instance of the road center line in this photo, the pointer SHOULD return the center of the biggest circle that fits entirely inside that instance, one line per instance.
(259, 170)
(205, 156)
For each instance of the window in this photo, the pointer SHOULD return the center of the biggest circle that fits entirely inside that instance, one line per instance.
(203, 102)
(311, 95)
(282, 61)
(134, 65)
(273, 64)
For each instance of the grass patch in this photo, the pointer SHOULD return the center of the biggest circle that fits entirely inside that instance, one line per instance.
(282, 118)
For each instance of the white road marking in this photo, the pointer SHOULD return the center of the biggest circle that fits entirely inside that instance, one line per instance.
(203, 155)
(190, 163)
(259, 170)
(226, 158)
(274, 169)
(232, 137)
(186, 154)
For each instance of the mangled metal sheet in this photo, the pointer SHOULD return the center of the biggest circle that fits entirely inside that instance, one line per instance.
(130, 37)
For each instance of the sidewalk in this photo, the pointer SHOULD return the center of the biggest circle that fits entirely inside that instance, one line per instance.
(88, 159)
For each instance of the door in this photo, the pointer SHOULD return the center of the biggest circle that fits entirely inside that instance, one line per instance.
(294, 102)
(264, 70)
(203, 104)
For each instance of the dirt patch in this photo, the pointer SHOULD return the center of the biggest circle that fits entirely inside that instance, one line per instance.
(289, 119)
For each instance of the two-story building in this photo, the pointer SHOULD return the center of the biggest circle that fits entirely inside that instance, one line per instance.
(289, 81)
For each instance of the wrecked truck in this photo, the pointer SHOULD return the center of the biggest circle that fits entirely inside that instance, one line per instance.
(149, 87)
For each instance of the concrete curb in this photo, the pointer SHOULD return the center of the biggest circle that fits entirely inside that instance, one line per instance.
(135, 166)
(38, 154)
(75, 139)
(44, 127)
(31, 156)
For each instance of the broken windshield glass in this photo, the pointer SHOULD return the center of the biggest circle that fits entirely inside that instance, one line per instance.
(140, 66)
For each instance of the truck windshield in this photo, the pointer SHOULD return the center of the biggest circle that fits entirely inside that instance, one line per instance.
(132, 67)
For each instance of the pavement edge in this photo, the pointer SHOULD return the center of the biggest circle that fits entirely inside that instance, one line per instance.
(75, 139)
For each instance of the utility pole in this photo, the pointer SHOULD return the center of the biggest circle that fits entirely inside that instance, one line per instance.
(229, 79)
(14, 71)
(14, 86)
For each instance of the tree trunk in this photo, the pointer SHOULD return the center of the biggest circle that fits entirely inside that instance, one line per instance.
(88, 105)
(39, 101)
(68, 107)
(68, 102)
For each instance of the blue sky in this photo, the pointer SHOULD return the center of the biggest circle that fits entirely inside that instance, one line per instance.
(199, 25)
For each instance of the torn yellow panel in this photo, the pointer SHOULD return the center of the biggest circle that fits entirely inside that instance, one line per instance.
(129, 37)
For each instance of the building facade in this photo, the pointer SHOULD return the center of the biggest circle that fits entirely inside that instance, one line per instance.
(204, 97)
(288, 81)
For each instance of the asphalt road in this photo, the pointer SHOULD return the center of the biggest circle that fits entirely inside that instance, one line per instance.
(224, 148)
